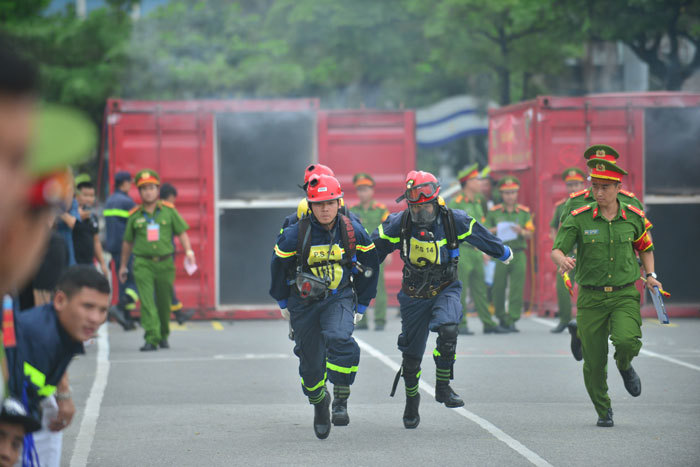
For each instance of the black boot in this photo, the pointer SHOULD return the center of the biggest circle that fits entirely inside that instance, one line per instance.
(118, 315)
(576, 348)
(340, 415)
(559, 328)
(632, 382)
(410, 369)
(606, 421)
(497, 329)
(322, 416)
(411, 417)
(445, 394)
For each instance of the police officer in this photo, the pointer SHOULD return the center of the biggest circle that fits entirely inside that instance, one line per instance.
(325, 298)
(116, 214)
(584, 197)
(573, 178)
(519, 221)
(149, 235)
(608, 233)
(371, 214)
(428, 234)
(471, 262)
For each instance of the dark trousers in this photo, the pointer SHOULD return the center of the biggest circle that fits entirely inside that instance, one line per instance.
(128, 296)
(324, 342)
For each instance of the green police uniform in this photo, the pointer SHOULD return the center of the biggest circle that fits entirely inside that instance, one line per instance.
(471, 263)
(608, 302)
(372, 218)
(154, 268)
(517, 269)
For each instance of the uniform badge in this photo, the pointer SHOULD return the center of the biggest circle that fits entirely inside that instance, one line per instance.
(591, 232)
(600, 167)
(600, 152)
(145, 176)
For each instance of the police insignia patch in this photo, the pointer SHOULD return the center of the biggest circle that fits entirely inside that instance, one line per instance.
(600, 167)
(600, 152)
(591, 232)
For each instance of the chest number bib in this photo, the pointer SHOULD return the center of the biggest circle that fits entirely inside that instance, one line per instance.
(332, 271)
(423, 253)
(153, 232)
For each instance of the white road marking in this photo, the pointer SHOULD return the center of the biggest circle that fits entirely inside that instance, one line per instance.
(483, 423)
(551, 324)
(83, 442)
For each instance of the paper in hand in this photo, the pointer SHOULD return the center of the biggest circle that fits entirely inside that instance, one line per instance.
(190, 266)
(506, 232)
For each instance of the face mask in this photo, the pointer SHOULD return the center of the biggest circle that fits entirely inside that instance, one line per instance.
(424, 218)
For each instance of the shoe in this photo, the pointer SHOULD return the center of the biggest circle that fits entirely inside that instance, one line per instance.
(512, 328)
(576, 349)
(130, 325)
(632, 382)
(497, 329)
(148, 347)
(445, 395)
(560, 328)
(411, 418)
(465, 331)
(164, 344)
(322, 417)
(606, 421)
(379, 326)
(340, 415)
(118, 315)
(183, 315)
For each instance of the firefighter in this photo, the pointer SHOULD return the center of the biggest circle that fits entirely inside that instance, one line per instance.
(371, 214)
(427, 235)
(471, 262)
(116, 214)
(519, 221)
(609, 234)
(573, 178)
(149, 235)
(317, 256)
(303, 206)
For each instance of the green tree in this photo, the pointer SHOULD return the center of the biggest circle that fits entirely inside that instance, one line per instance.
(653, 29)
(504, 39)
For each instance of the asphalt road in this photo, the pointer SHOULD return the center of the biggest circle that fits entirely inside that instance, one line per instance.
(228, 394)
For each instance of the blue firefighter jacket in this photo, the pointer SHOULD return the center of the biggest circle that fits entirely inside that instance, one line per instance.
(322, 242)
(116, 213)
(44, 350)
(422, 252)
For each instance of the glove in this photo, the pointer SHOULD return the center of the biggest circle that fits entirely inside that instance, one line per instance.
(359, 314)
(283, 308)
(508, 255)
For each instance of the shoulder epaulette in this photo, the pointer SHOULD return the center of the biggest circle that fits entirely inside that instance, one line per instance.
(497, 207)
(168, 205)
(379, 206)
(522, 208)
(578, 193)
(459, 198)
(627, 193)
(635, 210)
(560, 202)
(578, 211)
(135, 209)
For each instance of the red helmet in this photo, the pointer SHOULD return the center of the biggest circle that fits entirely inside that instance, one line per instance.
(421, 187)
(323, 188)
(316, 169)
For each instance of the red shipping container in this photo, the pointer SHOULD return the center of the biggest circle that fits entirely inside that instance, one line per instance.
(536, 140)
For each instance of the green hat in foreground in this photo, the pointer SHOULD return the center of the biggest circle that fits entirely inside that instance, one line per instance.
(147, 176)
(64, 137)
(605, 170)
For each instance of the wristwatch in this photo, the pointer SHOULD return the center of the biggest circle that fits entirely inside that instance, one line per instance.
(651, 274)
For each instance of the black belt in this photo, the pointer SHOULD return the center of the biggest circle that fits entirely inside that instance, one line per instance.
(156, 259)
(431, 291)
(608, 288)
